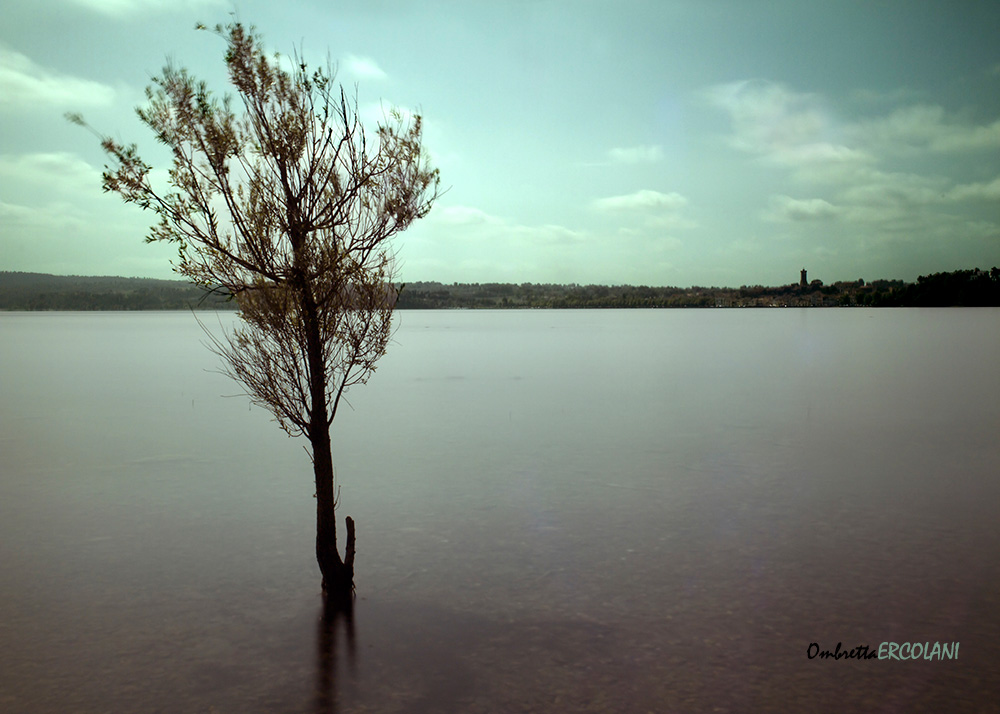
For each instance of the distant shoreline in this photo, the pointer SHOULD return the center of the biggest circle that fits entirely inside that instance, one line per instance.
(963, 288)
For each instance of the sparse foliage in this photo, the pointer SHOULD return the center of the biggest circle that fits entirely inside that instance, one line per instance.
(281, 199)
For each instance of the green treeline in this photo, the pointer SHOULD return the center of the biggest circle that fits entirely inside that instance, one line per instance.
(962, 288)
(528, 295)
(965, 288)
(38, 291)
(969, 288)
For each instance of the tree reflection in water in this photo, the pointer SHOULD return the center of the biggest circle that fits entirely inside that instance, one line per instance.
(331, 616)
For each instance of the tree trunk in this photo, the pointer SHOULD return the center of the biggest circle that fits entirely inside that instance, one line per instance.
(338, 575)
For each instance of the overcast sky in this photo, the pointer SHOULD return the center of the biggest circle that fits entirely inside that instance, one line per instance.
(703, 142)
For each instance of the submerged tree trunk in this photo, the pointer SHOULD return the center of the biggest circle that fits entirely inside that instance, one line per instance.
(338, 574)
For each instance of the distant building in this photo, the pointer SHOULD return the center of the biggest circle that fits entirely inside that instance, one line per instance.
(802, 281)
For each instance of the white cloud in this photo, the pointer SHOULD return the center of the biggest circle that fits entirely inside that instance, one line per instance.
(462, 215)
(767, 116)
(911, 190)
(890, 97)
(819, 156)
(925, 127)
(784, 127)
(54, 217)
(666, 243)
(976, 191)
(51, 192)
(46, 220)
(786, 208)
(636, 155)
(982, 229)
(474, 221)
(546, 234)
(873, 188)
(62, 237)
(120, 8)
(644, 200)
(23, 83)
(797, 130)
(652, 210)
(363, 68)
(59, 171)
(378, 113)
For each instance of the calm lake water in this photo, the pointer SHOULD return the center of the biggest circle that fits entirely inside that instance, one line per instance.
(557, 511)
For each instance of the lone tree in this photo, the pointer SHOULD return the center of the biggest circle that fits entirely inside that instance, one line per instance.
(281, 200)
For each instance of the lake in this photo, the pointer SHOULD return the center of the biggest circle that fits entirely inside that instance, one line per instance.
(557, 511)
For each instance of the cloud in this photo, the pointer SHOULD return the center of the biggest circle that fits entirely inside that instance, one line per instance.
(636, 155)
(911, 190)
(925, 127)
(797, 130)
(120, 8)
(982, 229)
(23, 83)
(976, 191)
(650, 209)
(908, 205)
(768, 117)
(464, 215)
(897, 174)
(786, 208)
(816, 154)
(460, 242)
(374, 114)
(57, 170)
(873, 187)
(363, 68)
(55, 198)
(883, 97)
(545, 234)
(46, 220)
(477, 222)
(64, 237)
(666, 243)
(782, 126)
(54, 217)
(643, 201)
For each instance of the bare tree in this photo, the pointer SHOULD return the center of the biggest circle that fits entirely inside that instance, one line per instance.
(286, 204)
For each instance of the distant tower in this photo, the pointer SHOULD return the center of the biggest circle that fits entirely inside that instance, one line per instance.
(802, 281)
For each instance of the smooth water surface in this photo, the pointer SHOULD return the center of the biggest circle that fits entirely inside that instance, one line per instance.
(557, 511)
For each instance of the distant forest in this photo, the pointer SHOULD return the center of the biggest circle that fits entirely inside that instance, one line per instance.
(39, 291)
(962, 288)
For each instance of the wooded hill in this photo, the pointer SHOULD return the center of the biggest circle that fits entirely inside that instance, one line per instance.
(971, 288)
(40, 291)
